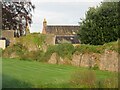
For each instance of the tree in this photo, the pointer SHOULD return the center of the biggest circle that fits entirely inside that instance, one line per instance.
(16, 15)
(100, 25)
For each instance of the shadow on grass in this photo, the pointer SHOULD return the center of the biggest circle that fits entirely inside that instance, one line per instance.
(10, 82)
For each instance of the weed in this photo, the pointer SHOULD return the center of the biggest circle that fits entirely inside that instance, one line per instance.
(85, 78)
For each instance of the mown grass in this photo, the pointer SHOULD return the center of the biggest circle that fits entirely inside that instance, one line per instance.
(32, 74)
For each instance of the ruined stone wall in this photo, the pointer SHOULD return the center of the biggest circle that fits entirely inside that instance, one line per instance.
(9, 34)
(106, 61)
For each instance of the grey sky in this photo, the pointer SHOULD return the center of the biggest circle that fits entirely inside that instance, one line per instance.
(59, 13)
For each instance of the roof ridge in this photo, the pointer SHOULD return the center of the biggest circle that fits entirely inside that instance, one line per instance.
(62, 25)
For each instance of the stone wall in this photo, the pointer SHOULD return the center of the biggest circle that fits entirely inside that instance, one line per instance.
(9, 34)
(106, 61)
(109, 61)
(55, 59)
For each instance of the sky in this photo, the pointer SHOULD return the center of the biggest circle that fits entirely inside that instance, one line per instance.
(59, 12)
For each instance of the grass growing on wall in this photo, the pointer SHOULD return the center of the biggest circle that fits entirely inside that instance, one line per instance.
(35, 39)
(36, 42)
(85, 48)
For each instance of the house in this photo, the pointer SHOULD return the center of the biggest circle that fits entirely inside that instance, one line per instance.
(62, 33)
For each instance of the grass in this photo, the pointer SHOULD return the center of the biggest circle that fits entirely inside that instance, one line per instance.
(86, 48)
(24, 74)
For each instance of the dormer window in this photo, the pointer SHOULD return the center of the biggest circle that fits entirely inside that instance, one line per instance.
(74, 32)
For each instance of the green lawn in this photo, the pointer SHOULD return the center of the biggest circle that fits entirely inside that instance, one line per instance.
(24, 74)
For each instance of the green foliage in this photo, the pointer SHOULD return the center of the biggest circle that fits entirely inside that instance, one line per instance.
(65, 50)
(18, 49)
(85, 48)
(96, 67)
(39, 40)
(34, 39)
(88, 49)
(33, 55)
(100, 25)
(50, 50)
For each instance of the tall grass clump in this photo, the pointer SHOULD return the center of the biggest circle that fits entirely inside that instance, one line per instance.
(88, 79)
(110, 83)
(84, 79)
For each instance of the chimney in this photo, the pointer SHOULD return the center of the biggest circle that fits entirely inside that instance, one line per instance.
(44, 26)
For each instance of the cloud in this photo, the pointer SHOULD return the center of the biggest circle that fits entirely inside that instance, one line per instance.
(66, 0)
(66, 13)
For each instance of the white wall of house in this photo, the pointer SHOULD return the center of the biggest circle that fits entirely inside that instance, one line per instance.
(2, 44)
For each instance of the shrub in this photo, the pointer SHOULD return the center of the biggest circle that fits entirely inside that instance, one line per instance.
(34, 39)
(51, 49)
(65, 50)
(86, 78)
(39, 40)
(17, 48)
(33, 55)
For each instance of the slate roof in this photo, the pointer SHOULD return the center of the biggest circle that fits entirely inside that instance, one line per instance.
(62, 29)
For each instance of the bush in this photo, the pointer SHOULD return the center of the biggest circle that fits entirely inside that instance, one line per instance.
(34, 39)
(65, 50)
(86, 78)
(33, 55)
(17, 48)
(50, 50)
